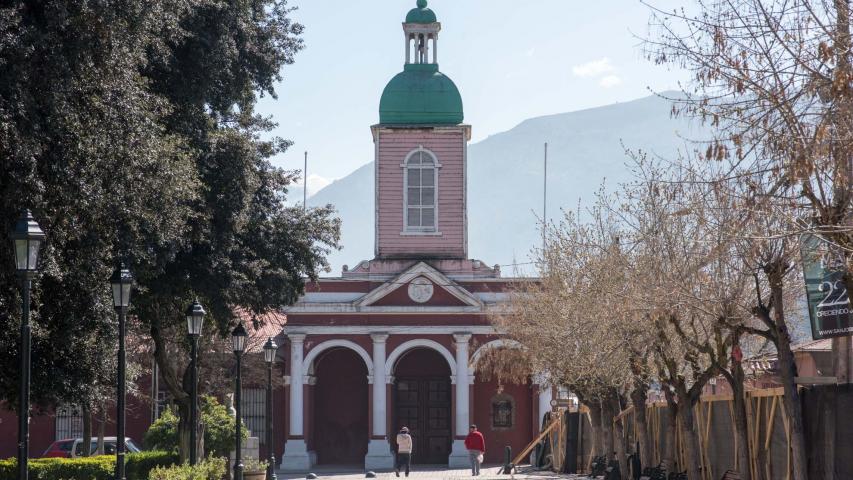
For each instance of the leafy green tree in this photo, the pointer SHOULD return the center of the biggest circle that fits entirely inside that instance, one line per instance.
(128, 127)
(83, 144)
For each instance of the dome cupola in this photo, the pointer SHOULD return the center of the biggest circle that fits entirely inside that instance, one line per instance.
(421, 14)
(421, 94)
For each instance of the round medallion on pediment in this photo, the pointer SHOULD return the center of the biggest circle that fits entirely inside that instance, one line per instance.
(420, 290)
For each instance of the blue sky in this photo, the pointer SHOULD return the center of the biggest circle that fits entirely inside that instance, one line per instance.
(511, 60)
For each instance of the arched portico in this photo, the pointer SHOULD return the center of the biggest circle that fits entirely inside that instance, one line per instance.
(308, 362)
(339, 430)
(420, 343)
(499, 343)
(541, 380)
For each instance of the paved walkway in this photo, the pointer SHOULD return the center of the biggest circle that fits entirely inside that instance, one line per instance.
(487, 473)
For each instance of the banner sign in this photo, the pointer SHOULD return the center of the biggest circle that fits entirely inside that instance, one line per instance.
(829, 304)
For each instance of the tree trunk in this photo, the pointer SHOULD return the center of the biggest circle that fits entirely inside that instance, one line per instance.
(597, 433)
(638, 399)
(788, 372)
(736, 381)
(607, 428)
(670, 454)
(87, 429)
(689, 436)
(619, 437)
(178, 389)
(101, 426)
(184, 425)
(184, 431)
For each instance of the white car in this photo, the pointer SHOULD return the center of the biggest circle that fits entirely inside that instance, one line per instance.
(73, 447)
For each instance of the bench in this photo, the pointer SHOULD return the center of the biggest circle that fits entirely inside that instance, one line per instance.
(731, 475)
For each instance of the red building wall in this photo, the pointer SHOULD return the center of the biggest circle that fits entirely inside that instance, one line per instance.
(524, 428)
(43, 427)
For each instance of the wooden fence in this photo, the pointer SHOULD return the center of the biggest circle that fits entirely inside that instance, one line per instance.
(769, 434)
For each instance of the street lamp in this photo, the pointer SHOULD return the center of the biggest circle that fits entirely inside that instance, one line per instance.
(238, 337)
(195, 320)
(27, 238)
(269, 355)
(121, 281)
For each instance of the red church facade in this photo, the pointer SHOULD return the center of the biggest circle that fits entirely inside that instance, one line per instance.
(394, 341)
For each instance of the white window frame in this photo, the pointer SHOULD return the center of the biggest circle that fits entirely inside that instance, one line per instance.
(426, 231)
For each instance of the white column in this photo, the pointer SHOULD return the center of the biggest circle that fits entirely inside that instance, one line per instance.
(458, 454)
(379, 455)
(408, 49)
(297, 427)
(426, 48)
(435, 48)
(379, 383)
(296, 457)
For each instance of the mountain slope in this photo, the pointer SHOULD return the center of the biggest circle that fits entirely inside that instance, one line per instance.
(505, 177)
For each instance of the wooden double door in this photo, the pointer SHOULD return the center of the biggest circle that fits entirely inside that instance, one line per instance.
(423, 405)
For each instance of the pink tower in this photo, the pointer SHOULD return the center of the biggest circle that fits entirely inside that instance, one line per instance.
(421, 151)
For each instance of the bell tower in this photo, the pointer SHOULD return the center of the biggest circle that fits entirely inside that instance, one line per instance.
(421, 31)
(421, 150)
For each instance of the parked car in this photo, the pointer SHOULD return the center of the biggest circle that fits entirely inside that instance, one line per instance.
(73, 447)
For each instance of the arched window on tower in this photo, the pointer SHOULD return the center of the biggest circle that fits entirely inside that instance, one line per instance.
(420, 202)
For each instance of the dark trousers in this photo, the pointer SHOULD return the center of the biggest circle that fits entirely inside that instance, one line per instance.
(404, 461)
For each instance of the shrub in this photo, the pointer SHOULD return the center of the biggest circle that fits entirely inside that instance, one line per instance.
(139, 465)
(100, 467)
(218, 429)
(89, 468)
(210, 469)
(254, 465)
(163, 433)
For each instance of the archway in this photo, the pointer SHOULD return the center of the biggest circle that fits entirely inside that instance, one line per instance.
(340, 407)
(422, 402)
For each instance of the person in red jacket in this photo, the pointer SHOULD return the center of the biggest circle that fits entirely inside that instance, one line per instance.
(476, 445)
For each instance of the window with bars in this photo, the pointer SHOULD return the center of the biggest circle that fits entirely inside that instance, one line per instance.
(253, 407)
(420, 194)
(161, 405)
(69, 422)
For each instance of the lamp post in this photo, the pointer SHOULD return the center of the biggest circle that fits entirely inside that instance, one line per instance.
(238, 337)
(195, 320)
(269, 355)
(121, 281)
(27, 238)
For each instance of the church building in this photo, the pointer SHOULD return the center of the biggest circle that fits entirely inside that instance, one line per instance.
(394, 341)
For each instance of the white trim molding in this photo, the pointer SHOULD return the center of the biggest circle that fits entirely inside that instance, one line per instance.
(419, 343)
(307, 363)
(422, 269)
(395, 329)
(499, 343)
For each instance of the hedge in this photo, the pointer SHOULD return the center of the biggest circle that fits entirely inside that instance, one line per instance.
(139, 465)
(210, 469)
(101, 467)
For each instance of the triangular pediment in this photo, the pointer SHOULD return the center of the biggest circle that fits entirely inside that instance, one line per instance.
(419, 285)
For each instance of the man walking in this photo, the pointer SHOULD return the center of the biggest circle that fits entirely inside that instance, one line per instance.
(404, 451)
(476, 445)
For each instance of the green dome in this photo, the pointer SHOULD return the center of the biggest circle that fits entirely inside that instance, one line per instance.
(421, 14)
(420, 94)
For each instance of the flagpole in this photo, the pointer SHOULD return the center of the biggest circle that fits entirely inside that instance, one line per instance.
(305, 184)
